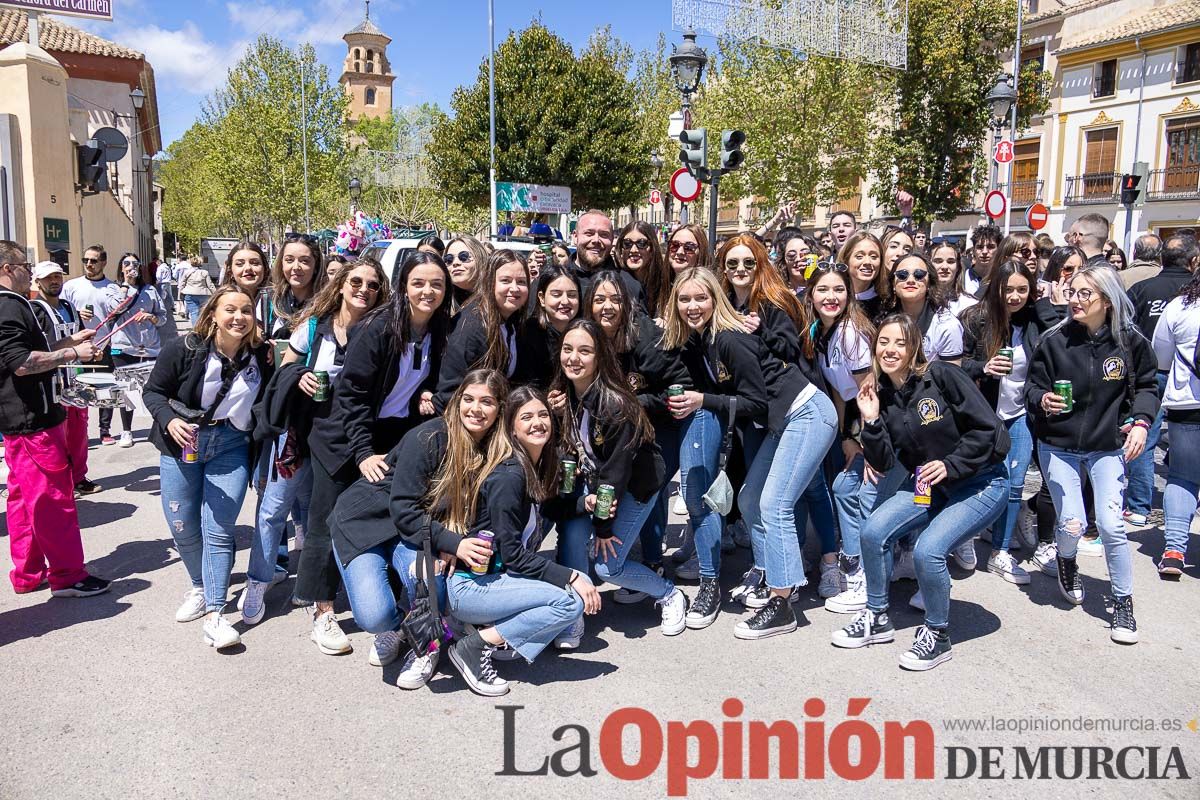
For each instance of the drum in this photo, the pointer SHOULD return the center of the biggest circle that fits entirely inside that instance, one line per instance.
(101, 389)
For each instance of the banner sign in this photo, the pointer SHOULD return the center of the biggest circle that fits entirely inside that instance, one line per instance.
(92, 9)
(533, 198)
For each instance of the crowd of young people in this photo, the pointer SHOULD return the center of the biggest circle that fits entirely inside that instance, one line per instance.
(893, 391)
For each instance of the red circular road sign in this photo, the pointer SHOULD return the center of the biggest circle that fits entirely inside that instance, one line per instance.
(655, 197)
(995, 204)
(1003, 151)
(1037, 216)
(684, 186)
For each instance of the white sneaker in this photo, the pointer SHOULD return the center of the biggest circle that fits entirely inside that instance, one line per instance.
(1004, 565)
(417, 670)
(251, 602)
(298, 538)
(853, 599)
(674, 610)
(571, 637)
(964, 555)
(831, 584)
(219, 633)
(917, 601)
(1046, 558)
(385, 649)
(678, 506)
(329, 636)
(904, 569)
(126, 440)
(689, 570)
(192, 607)
(1090, 547)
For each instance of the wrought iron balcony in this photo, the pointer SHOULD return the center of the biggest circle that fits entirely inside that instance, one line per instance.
(1092, 188)
(1174, 183)
(1023, 194)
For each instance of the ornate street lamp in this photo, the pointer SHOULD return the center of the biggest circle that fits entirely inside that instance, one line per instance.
(687, 68)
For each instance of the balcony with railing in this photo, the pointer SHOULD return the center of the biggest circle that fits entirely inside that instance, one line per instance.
(1174, 183)
(1092, 188)
(1023, 194)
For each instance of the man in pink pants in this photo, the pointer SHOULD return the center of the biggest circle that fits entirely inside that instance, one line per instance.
(43, 527)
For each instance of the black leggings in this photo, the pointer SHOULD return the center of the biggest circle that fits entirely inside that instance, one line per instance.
(317, 577)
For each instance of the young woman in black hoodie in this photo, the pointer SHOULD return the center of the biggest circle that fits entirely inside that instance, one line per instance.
(1112, 370)
(200, 394)
(556, 304)
(524, 598)
(932, 419)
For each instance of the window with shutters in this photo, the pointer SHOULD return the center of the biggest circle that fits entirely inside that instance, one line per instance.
(1026, 188)
(1100, 162)
(1104, 80)
(1187, 68)
(1183, 154)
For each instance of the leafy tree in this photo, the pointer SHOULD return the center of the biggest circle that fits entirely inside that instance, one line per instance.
(194, 205)
(393, 165)
(561, 119)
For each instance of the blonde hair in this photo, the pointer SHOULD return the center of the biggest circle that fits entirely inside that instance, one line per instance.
(206, 326)
(724, 317)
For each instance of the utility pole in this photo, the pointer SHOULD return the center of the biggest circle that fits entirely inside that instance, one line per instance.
(492, 111)
(304, 143)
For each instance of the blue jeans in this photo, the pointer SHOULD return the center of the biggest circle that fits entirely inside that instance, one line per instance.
(783, 468)
(527, 612)
(193, 303)
(1020, 453)
(699, 451)
(856, 497)
(1139, 494)
(667, 434)
(279, 498)
(374, 604)
(960, 509)
(1063, 470)
(575, 538)
(1183, 483)
(201, 502)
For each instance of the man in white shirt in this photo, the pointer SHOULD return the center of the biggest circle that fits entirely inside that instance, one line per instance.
(91, 295)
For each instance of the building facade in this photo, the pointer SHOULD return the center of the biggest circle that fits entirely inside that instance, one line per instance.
(366, 73)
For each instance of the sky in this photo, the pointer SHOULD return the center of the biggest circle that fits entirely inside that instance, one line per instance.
(436, 46)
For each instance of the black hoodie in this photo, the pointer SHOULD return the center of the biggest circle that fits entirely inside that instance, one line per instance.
(27, 403)
(650, 369)
(1033, 320)
(466, 348)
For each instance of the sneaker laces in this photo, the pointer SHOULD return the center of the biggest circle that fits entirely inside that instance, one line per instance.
(388, 640)
(1068, 573)
(707, 595)
(752, 578)
(766, 612)
(860, 624)
(924, 643)
(486, 670)
(1122, 611)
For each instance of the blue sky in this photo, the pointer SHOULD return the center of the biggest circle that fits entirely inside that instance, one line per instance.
(436, 45)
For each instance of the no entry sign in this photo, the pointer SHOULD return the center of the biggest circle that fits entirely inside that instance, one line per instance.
(1037, 216)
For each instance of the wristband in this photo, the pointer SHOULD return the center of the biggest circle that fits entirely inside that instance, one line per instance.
(75, 354)
(1141, 423)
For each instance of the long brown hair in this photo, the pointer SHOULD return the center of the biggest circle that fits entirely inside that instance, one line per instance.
(812, 335)
(768, 286)
(329, 299)
(283, 302)
(496, 356)
(541, 479)
(454, 491)
(704, 257)
(881, 276)
(655, 275)
(912, 339)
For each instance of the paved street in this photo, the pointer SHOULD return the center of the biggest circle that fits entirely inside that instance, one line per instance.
(110, 697)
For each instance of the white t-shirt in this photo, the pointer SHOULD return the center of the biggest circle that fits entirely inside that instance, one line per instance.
(971, 282)
(82, 291)
(849, 352)
(961, 304)
(943, 341)
(1011, 402)
(236, 405)
(410, 379)
(327, 357)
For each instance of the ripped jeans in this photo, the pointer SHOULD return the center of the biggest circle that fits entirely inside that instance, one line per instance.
(1063, 471)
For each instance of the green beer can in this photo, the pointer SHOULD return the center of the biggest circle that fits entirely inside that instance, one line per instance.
(1064, 390)
(322, 393)
(569, 469)
(605, 494)
(1007, 352)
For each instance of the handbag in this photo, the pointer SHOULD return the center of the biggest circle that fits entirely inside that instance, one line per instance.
(423, 627)
(719, 496)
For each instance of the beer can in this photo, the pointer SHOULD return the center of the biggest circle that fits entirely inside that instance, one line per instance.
(1007, 352)
(281, 347)
(922, 492)
(190, 454)
(548, 252)
(675, 390)
(569, 468)
(1064, 390)
(605, 494)
(488, 537)
(810, 264)
(322, 393)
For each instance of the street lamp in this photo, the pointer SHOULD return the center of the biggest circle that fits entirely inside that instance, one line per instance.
(138, 97)
(1000, 101)
(687, 67)
(656, 162)
(355, 192)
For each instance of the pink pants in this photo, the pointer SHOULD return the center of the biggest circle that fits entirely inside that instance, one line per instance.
(42, 523)
(77, 441)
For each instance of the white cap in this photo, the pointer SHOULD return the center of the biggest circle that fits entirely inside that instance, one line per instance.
(44, 269)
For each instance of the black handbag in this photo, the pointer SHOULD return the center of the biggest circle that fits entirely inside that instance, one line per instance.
(423, 627)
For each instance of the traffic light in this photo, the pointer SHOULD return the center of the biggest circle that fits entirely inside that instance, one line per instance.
(694, 153)
(731, 150)
(93, 177)
(1129, 189)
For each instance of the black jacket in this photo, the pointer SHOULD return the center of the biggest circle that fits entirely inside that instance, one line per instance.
(777, 331)
(1033, 320)
(1151, 296)
(27, 403)
(178, 374)
(637, 296)
(539, 353)
(1110, 383)
(650, 369)
(368, 375)
(466, 348)
(421, 452)
(938, 416)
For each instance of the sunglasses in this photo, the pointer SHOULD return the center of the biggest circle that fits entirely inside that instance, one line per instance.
(745, 265)
(903, 274)
(794, 258)
(1025, 251)
(635, 244)
(831, 266)
(91, 260)
(356, 283)
(689, 248)
(464, 257)
(23, 264)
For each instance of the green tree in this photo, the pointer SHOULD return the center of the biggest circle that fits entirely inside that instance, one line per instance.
(561, 119)
(933, 137)
(194, 205)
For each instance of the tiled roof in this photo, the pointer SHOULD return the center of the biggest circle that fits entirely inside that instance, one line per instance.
(1055, 8)
(1140, 23)
(58, 36)
(366, 26)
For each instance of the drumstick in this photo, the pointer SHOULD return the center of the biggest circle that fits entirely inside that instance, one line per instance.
(101, 341)
(121, 308)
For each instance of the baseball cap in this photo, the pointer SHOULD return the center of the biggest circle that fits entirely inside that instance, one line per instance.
(44, 269)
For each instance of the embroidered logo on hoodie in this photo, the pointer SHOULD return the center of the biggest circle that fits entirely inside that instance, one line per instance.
(928, 410)
(1114, 368)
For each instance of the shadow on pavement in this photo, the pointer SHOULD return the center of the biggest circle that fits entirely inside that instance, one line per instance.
(57, 613)
(94, 513)
(130, 558)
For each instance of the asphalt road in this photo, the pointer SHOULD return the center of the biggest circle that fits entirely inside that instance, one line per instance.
(111, 698)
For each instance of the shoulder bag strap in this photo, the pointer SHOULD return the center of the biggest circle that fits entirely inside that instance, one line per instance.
(727, 439)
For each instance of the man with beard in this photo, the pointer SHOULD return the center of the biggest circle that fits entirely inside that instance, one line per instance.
(92, 295)
(593, 253)
(60, 321)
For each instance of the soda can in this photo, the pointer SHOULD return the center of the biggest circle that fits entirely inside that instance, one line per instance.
(322, 393)
(488, 537)
(811, 260)
(1007, 352)
(605, 494)
(1064, 390)
(190, 454)
(281, 347)
(548, 252)
(922, 492)
(675, 390)
(569, 468)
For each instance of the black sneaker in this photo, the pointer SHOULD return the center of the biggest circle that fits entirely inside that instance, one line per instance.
(1124, 626)
(1170, 566)
(1069, 582)
(774, 618)
(706, 605)
(930, 647)
(751, 580)
(88, 587)
(473, 658)
(866, 628)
